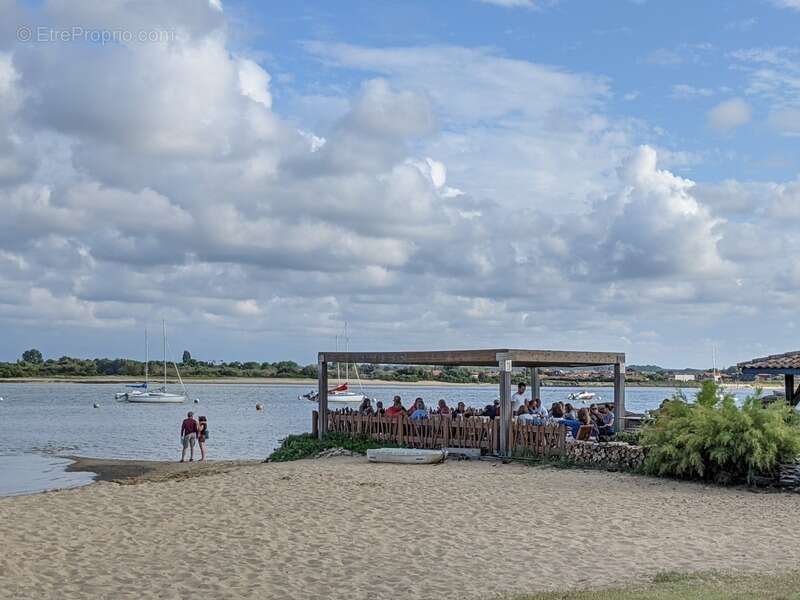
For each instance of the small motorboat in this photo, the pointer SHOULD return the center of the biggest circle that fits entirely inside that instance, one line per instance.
(582, 396)
(406, 456)
(340, 393)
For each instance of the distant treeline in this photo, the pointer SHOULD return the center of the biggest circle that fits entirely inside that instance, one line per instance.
(32, 364)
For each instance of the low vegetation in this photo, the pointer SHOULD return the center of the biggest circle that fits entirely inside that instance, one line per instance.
(714, 439)
(700, 586)
(305, 445)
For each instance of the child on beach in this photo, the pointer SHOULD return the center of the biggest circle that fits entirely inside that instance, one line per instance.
(202, 436)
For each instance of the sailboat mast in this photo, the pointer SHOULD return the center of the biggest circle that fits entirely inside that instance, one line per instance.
(346, 349)
(164, 332)
(146, 357)
(338, 372)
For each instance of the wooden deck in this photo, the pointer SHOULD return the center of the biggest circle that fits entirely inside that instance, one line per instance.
(444, 431)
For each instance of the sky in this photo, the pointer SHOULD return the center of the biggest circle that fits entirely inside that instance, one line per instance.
(552, 174)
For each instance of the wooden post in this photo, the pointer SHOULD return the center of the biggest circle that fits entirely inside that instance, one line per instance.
(536, 384)
(315, 423)
(505, 405)
(322, 381)
(788, 386)
(619, 396)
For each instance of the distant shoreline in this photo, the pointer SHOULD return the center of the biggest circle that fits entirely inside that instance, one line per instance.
(112, 379)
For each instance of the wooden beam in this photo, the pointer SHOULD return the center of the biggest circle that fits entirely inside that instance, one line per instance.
(536, 384)
(505, 365)
(619, 396)
(322, 386)
(788, 386)
(483, 357)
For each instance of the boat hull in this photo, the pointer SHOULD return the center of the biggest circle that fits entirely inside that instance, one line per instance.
(406, 456)
(154, 399)
(346, 397)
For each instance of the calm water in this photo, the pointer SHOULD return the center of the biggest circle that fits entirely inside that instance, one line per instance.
(42, 421)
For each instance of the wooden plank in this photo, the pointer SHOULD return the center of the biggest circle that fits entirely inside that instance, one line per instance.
(788, 388)
(322, 386)
(480, 357)
(619, 396)
(536, 384)
(505, 404)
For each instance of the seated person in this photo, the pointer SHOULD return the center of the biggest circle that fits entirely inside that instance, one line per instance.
(379, 410)
(606, 423)
(365, 410)
(585, 418)
(460, 409)
(397, 408)
(491, 410)
(558, 417)
(570, 412)
(418, 411)
(537, 409)
(443, 409)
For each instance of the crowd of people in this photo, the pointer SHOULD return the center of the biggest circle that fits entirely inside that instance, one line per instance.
(598, 418)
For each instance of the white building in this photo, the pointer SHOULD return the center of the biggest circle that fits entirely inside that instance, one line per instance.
(684, 377)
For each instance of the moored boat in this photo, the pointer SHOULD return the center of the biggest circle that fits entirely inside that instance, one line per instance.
(406, 456)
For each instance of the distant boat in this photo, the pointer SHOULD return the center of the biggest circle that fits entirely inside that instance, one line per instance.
(159, 395)
(582, 396)
(341, 393)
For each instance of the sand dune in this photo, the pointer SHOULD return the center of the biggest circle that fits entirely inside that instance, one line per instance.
(342, 528)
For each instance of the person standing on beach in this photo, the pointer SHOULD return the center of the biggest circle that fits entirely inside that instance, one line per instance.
(188, 436)
(202, 436)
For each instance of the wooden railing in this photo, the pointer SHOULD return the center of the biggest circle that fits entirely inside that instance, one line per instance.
(444, 431)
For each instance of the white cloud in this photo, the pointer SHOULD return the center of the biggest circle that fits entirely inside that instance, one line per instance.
(451, 196)
(684, 90)
(793, 4)
(729, 114)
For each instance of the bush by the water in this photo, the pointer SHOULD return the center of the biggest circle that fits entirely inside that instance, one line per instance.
(305, 445)
(714, 439)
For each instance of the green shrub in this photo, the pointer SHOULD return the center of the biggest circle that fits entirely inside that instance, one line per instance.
(629, 437)
(715, 440)
(305, 445)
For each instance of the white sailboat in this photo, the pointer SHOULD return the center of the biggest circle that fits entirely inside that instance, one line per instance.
(341, 393)
(159, 395)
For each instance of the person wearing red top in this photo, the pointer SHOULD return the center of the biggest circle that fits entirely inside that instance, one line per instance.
(396, 409)
(188, 436)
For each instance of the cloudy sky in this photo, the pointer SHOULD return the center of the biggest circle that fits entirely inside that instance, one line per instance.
(556, 174)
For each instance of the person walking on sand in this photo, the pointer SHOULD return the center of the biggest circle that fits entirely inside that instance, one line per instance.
(188, 436)
(202, 436)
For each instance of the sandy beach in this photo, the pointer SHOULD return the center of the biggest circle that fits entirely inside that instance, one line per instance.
(343, 528)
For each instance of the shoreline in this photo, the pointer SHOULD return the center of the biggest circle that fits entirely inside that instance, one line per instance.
(134, 472)
(115, 379)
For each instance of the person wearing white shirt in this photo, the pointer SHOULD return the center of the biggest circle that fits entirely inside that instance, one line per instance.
(518, 399)
(537, 409)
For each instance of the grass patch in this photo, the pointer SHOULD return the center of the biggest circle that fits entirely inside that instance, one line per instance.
(672, 585)
(305, 445)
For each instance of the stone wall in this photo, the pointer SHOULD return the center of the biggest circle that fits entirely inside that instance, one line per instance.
(608, 455)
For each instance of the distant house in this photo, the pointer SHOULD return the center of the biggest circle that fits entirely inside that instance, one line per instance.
(684, 377)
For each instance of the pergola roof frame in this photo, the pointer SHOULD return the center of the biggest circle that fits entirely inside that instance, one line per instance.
(503, 358)
(480, 358)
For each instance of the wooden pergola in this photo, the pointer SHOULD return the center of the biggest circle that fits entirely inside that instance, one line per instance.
(504, 359)
(787, 364)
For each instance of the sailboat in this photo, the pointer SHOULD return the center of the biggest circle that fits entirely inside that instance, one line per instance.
(341, 392)
(159, 395)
